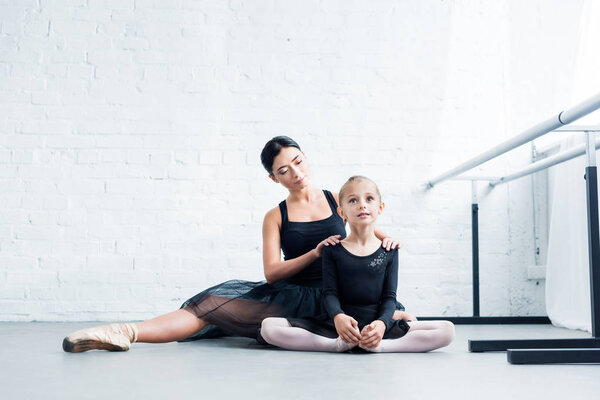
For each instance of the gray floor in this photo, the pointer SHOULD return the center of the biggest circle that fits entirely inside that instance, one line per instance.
(35, 367)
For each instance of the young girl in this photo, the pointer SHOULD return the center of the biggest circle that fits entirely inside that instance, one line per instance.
(360, 279)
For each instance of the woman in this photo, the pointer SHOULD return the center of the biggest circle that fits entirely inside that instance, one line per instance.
(301, 226)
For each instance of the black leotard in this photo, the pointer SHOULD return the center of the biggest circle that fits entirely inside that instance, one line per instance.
(363, 287)
(298, 238)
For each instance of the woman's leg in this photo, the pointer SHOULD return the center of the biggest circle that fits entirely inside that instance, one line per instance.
(423, 336)
(176, 325)
(170, 327)
(279, 332)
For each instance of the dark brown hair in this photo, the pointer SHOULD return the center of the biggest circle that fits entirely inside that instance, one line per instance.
(272, 150)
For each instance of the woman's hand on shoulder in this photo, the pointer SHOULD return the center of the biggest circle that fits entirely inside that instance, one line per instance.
(390, 244)
(331, 240)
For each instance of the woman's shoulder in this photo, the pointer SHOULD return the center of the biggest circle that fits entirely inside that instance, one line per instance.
(273, 216)
(335, 195)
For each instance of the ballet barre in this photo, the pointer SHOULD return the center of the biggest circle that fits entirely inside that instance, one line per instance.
(542, 351)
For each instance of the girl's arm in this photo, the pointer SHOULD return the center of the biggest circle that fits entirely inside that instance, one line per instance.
(373, 333)
(388, 292)
(274, 268)
(345, 325)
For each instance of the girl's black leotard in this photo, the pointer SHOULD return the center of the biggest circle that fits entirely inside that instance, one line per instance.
(238, 307)
(363, 287)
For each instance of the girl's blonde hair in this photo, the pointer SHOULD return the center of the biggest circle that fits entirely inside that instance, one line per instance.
(356, 179)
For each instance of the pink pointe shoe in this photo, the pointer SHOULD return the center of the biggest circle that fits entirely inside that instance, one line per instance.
(113, 337)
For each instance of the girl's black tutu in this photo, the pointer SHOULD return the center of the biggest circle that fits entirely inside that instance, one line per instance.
(237, 307)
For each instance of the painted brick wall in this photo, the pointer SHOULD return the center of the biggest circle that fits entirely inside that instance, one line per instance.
(130, 134)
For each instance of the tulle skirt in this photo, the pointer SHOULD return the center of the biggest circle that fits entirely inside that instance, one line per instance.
(237, 307)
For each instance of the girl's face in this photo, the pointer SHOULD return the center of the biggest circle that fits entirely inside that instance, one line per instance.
(290, 168)
(361, 204)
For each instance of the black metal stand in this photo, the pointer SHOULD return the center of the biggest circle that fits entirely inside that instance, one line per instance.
(490, 320)
(476, 319)
(551, 351)
(475, 246)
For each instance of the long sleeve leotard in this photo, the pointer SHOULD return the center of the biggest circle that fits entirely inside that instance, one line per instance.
(363, 287)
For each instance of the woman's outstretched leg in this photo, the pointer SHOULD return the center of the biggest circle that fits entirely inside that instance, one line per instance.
(279, 332)
(170, 327)
(176, 325)
(423, 336)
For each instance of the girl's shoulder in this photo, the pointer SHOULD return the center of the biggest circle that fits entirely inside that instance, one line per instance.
(334, 252)
(391, 252)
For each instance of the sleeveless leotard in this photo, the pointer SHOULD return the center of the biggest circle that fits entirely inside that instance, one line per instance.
(298, 238)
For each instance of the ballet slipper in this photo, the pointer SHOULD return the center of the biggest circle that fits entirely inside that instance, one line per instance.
(376, 349)
(113, 337)
(343, 346)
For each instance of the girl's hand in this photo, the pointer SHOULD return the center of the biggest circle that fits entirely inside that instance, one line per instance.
(390, 244)
(347, 328)
(372, 334)
(403, 315)
(331, 240)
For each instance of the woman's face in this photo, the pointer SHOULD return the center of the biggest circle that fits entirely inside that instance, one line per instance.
(290, 168)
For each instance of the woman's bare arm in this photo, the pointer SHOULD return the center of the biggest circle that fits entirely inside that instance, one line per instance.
(274, 268)
(380, 234)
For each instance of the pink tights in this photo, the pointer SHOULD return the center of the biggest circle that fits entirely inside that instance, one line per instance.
(423, 336)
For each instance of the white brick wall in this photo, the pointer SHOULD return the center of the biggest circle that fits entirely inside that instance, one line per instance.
(130, 134)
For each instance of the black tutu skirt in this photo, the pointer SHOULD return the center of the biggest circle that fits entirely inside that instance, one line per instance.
(237, 307)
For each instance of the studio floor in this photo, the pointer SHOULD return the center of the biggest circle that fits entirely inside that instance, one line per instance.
(35, 367)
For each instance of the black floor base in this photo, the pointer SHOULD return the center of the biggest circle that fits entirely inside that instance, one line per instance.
(478, 346)
(553, 356)
(489, 320)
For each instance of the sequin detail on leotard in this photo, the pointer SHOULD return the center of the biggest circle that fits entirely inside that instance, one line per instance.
(377, 265)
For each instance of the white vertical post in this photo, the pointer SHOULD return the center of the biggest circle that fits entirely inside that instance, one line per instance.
(590, 148)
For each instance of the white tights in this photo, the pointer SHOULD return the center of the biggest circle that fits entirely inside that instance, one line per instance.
(423, 336)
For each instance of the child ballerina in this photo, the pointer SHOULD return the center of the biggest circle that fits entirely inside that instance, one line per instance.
(360, 279)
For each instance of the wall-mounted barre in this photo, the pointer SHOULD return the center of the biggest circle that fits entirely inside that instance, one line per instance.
(534, 167)
(551, 124)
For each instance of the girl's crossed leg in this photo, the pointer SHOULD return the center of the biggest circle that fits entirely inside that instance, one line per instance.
(422, 336)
